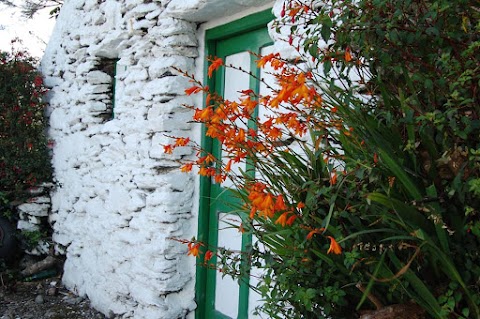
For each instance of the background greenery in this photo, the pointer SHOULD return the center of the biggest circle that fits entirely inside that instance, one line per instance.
(24, 155)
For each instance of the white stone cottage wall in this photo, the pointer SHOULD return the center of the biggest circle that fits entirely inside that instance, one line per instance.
(119, 198)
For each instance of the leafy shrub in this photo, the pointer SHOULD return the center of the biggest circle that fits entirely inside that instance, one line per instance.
(24, 156)
(380, 204)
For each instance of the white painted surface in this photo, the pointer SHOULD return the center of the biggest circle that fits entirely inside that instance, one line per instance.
(227, 289)
(235, 81)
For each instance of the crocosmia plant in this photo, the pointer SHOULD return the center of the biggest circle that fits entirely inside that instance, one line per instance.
(362, 180)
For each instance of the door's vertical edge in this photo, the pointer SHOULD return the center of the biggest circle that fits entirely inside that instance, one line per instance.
(204, 207)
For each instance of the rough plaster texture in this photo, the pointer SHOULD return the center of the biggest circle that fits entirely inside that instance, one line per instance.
(119, 199)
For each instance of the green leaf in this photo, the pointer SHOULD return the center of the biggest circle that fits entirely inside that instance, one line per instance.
(371, 281)
(423, 296)
(327, 66)
(326, 29)
(450, 270)
(399, 172)
(432, 31)
(367, 231)
(441, 232)
(407, 213)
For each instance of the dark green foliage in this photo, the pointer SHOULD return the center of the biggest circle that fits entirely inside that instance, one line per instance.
(404, 79)
(24, 156)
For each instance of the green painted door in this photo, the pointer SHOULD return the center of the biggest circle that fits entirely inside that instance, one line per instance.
(219, 297)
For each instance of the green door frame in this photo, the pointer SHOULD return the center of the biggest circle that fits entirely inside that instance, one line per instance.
(205, 219)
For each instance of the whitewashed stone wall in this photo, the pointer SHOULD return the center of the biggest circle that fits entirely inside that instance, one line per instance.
(119, 197)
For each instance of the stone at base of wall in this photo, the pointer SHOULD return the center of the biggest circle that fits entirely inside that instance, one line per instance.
(34, 219)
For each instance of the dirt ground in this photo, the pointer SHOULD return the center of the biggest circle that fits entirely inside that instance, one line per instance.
(42, 299)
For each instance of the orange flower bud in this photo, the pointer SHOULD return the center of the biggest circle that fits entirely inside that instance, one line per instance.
(214, 66)
(193, 90)
(291, 219)
(208, 255)
(282, 220)
(348, 55)
(333, 178)
(334, 246)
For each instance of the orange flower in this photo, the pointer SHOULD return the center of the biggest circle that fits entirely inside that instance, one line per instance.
(193, 249)
(193, 90)
(277, 64)
(203, 115)
(220, 178)
(267, 58)
(275, 133)
(219, 115)
(294, 10)
(280, 203)
(168, 149)
(282, 220)
(247, 92)
(313, 232)
(208, 99)
(334, 246)
(249, 106)
(268, 206)
(203, 171)
(240, 136)
(261, 201)
(208, 255)
(182, 141)
(253, 210)
(211, 171)
(348, 55)
(214, 66)
(333, 178)
(186, 167)
(291, 219)
(210, 158)
(228, 167)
